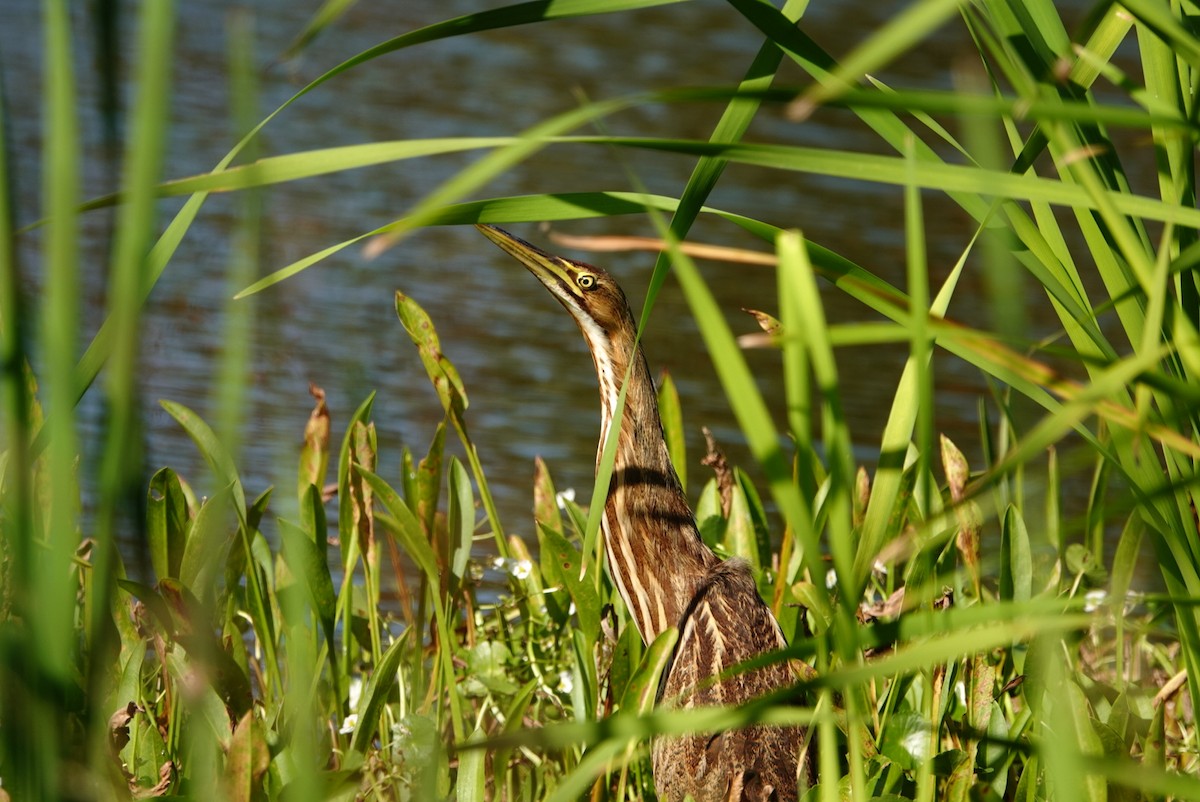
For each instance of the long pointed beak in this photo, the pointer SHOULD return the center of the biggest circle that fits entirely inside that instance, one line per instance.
(549, 269)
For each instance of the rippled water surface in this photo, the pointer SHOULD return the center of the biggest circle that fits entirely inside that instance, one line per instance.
(526, 371)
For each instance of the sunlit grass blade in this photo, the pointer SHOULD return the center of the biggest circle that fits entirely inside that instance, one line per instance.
(231, 384)
(900, 33)
(58, 337)
(805, 320)
(325, 16)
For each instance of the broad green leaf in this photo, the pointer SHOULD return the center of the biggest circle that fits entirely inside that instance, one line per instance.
(374, 697)
(213, 451)
(407, 530)
(739, 532)
(1016, 559)
(672, 422)
(545, 499)
(905, 740)
(1090, 787)
(488, 664)
(642, 693)
(307, 560)
(472, 774)
(209, 539)
(429, 481)
(1124, 563)
(565, 562)
(207, 704)
(167, 521)
(709, 516)
(758, 517)
(246, 761)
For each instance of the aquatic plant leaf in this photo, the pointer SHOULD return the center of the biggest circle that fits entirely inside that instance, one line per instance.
(1085, 741)
(1016, 559)
(906, 740)
(314, 457)
(710, 518)
(307, 561)
(205, 701)
(472, 774)
(739, 531)
(671, 414)
(374, 696)
(441, 371)
(625, 659)
(345, 461)
(758, 517)
(429, 482)
(642, 693)
(1125, 561)
(462, 518)
(488, 669)
(1030, 786)
(408, 530)
(167, 523)
(246, 761)
(545, 499)
(208, 542)
(312, 516)
(214, 453)
(561, 564)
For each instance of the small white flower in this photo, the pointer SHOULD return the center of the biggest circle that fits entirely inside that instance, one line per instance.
(355, 691)
(563, 496)
(1093, 600)
(916, 743)
(566, 682)
(571, 609)
(830, 579)
(518, 569)
(349, 724)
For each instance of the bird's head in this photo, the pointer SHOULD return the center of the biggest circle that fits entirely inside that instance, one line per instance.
(589, 293)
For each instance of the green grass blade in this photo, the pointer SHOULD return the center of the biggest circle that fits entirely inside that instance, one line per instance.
(51, 615)
(899, 34)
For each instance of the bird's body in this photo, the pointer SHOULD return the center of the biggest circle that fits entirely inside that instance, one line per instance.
(665, 573)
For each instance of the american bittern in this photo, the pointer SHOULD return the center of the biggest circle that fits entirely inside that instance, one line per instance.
(665, 573)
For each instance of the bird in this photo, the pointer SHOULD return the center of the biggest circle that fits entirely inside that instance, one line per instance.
(665, 573)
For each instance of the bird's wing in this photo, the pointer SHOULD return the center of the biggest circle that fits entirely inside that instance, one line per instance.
(726, 625)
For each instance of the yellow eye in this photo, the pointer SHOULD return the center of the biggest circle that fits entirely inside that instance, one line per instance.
(586, 282)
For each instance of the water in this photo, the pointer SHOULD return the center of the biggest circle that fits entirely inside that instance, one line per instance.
(524, 365)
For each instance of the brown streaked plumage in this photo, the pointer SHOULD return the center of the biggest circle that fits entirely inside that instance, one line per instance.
(666, 575)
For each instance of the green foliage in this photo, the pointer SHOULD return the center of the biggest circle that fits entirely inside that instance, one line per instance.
(960, 641)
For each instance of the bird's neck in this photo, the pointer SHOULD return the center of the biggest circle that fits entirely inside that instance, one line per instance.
(654, 550)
